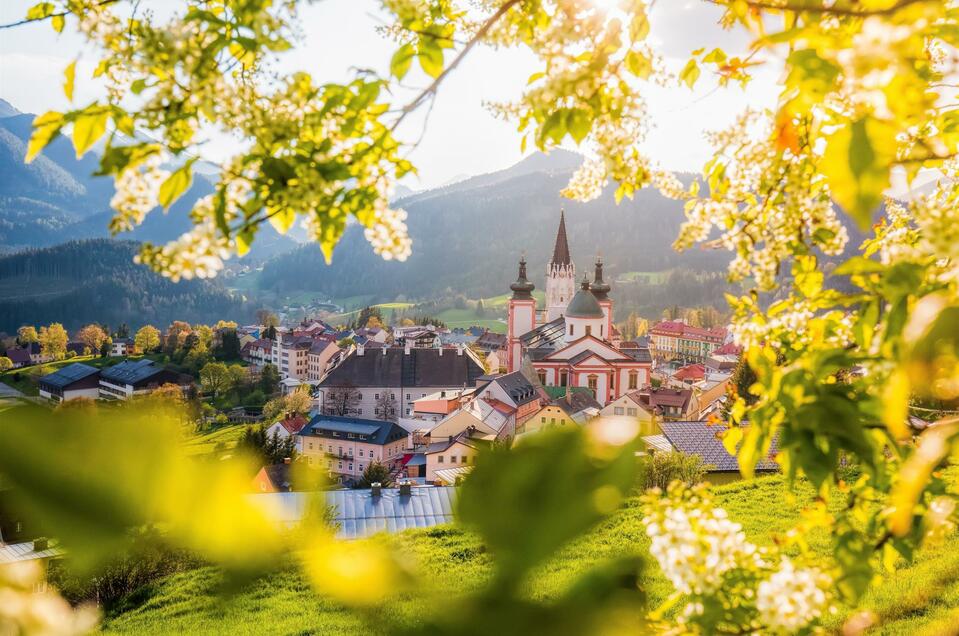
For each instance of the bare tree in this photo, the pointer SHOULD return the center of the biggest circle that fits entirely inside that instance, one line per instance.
(341, 400)
(385, 407)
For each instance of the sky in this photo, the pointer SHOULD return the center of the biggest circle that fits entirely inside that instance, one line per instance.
(462, 137)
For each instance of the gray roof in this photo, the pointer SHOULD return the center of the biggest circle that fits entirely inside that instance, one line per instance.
(372, 431)
(359, 514)
(65, 376)
(639, 355)
(130, 371)
(584, 304)
(14, 552)
(518, 387)
(394, 367)
(699, 438)
(546, 335)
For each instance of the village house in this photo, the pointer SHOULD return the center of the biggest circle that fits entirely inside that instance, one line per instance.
(258, 353)
(19, 356)
(322, 356)
(459, 451)
(393, 378)
(70, 382)
(137, 377)
(292, 424)
(290, 354)
(346, 446)
(675, 340)
(274, 478)
(122, 347)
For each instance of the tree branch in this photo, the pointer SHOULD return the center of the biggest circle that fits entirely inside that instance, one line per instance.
(61, 14)
(431, 89)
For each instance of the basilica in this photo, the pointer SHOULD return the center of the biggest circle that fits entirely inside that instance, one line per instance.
(572, 341)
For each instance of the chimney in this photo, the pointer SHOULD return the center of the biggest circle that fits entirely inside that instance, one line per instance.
(406, 349)
(360, 350)
(376, 489)
(459, 350)
(406, 489)
(287, 460)
(441, 350)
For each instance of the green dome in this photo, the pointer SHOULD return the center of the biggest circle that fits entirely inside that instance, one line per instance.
(584, 304)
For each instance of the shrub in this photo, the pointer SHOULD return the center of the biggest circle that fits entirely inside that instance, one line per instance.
(660, 469)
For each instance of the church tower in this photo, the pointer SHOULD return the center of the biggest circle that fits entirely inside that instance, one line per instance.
(560, 275)
(521, 316)
(600, 289)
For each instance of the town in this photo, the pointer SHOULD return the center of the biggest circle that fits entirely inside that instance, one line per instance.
(403, 408)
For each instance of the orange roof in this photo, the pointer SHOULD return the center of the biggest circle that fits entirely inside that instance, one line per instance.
(502, 407)
(691, 372)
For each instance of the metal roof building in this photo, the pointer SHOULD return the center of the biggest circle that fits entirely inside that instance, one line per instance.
(360, 514)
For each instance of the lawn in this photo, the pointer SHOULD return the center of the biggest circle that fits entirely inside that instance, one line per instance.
(206, 443)
(452, 562)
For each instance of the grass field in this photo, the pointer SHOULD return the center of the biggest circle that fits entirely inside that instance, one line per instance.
(453, 561)
(206, 443)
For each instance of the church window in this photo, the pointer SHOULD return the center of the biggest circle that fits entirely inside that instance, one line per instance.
(571, 330)
(633, 379)
(592, 383)
(589, 330)
(563, 377)
(542, 377)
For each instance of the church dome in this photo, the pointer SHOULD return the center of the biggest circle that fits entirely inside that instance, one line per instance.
(584, 304)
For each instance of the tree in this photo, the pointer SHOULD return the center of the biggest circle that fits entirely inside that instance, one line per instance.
(480, 308)
(374, 473)
(92, 336)
(269, 379)
(294, 402)
(385, 407)
(266, 318)
(270, 332)
(53, 340)
(5, 364)
(341, 400)
(27, 334)
(147, 339)
(215, 378)
(123, 331)
(268, 449)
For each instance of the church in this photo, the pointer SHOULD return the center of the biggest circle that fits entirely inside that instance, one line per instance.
(572, 341)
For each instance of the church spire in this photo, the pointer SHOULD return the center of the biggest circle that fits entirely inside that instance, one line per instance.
(522, 288)
(561, 249)
(600, 288)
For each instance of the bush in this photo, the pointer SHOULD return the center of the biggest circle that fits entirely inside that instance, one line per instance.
(660, 469)
(146, 560)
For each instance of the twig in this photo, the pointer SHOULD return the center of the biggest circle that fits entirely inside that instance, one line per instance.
(800, 7)
(61, 14)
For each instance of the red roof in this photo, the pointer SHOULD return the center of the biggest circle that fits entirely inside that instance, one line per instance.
(502, 407)
(691, 372)
(294, 424)
(730, 348)
(677, 328)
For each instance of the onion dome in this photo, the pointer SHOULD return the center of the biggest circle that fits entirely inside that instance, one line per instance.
(522, 288)
(599, 287)
(584, 304)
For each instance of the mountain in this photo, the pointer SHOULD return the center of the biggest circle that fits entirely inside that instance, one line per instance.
(56, 198)
(468, 238)
(96, 280)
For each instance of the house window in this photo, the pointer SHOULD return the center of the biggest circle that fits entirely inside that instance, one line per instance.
(340, 465)
(633, 379)
(552, 421)
(631, 412)
(544, 419)
(618, 410)
(463, 459)
(392, 396)
(311, 445)
(452, 459)
(351, 467)
(407, 396)
(371, 453)
(439, 459)
(376, 396)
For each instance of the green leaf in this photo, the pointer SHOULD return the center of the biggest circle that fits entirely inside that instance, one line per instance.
(431, 57)
(402, 60)
(553, 128)
(69, 75)
(638, 64)
(856, 162)
(176, 184)
(45, 128)
(690, 73)
(88, 127)
(538, 507)
(731, 438)
(579, 124)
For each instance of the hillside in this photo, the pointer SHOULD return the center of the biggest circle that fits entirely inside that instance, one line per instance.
(56, 198)
(96, 280)
(453, 562)
(468, 237)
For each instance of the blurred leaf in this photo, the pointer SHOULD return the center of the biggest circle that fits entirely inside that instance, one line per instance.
(895, 403)
(88, 127)
(69, 75)
(690, 73)
(45, 128)
(547, 489)
(402, 60)
(856, 162)
(176, 184)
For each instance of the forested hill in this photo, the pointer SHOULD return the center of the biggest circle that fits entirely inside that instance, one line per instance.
(96, 280)
(468, 240)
